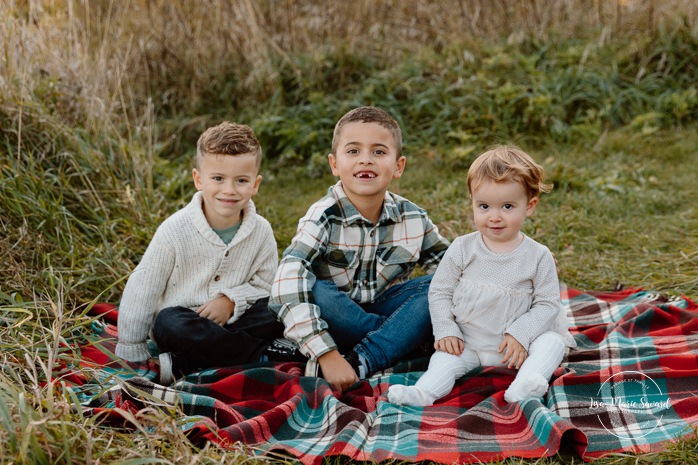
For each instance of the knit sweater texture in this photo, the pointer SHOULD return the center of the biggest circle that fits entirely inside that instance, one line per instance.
(479, 296)
(187, 264)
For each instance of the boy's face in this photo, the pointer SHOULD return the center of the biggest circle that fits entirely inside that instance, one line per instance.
(366, 161)
(227, 182)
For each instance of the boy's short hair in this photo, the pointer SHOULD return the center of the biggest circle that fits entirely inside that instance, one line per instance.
(507, 163)
(369, 115)
(228, 139)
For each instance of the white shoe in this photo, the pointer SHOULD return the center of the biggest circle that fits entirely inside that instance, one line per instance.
(166, 375)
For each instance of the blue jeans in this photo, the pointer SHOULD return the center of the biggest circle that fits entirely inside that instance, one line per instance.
(383, 331)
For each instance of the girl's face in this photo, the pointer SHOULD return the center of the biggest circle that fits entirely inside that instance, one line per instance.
(499, 210)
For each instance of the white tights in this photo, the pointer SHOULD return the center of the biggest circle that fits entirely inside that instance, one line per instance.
(545, 354)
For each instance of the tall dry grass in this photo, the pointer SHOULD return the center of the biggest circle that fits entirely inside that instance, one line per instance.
(120, 82)
(116, 62)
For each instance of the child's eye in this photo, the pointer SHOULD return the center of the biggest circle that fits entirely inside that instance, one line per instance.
(483, 206)
(217, 178)
(242, 181)
(508, 206)
(379, 152)
(353, 151)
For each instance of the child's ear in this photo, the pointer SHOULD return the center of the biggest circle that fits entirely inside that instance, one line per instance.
(333, 164)
(197, 179)
(400, 168)
(256, 184)
(531, 206)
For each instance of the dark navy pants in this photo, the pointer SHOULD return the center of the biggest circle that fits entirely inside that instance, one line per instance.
(197, 342)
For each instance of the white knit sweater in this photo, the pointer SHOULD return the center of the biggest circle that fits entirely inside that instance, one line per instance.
(187, 264)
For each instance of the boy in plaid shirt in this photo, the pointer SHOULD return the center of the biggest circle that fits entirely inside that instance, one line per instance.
(341, 289)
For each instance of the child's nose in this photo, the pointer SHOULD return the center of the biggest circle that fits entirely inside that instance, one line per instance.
(365, 157)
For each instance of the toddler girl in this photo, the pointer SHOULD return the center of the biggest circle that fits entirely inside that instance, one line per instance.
(495, 297)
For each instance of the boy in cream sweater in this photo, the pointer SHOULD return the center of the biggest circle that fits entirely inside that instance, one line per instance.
(202, 286)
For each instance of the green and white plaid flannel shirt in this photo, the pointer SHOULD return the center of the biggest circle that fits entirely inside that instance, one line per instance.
(335, 242)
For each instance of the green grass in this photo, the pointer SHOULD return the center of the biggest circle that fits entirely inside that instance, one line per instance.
(100, 109)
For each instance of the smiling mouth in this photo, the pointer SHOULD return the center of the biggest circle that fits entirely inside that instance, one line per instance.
(365, 175)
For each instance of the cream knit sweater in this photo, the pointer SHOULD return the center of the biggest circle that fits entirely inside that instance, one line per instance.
(186, 264)
(478, 295)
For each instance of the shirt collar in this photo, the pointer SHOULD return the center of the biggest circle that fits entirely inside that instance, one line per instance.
(249, 219)
(390, 213)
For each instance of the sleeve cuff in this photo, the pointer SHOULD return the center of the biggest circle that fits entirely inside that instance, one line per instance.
(523, 339)
(241, 306)
(318, 345)
(132, 352)
(448, 329)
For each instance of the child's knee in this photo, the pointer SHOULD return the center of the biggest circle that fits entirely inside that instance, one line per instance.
(163, 317)
(325, 292)
(166, 324)
(545, 354)
(549, 342)
(458, 365)
(423, 283)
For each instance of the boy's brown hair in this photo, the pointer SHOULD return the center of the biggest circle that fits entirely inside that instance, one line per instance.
(506, 163)
(369, 115)
(228, 139)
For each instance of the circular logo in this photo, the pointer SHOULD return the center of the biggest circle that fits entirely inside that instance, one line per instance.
(630, 404)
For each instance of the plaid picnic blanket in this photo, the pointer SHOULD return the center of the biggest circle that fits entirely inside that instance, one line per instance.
(630, 385)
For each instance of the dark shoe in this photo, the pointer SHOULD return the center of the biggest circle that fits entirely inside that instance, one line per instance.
(283, 350)
(354, 360)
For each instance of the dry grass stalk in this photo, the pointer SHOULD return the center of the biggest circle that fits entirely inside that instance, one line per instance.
(107, 58)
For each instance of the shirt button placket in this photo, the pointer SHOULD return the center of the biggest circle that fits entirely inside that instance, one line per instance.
(370, 262)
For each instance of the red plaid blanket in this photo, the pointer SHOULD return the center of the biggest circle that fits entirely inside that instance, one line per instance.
(629, 386)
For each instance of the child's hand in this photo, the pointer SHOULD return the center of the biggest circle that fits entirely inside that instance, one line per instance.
(515, 353)
(337, 371)
(450, 344)
(217, 310)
